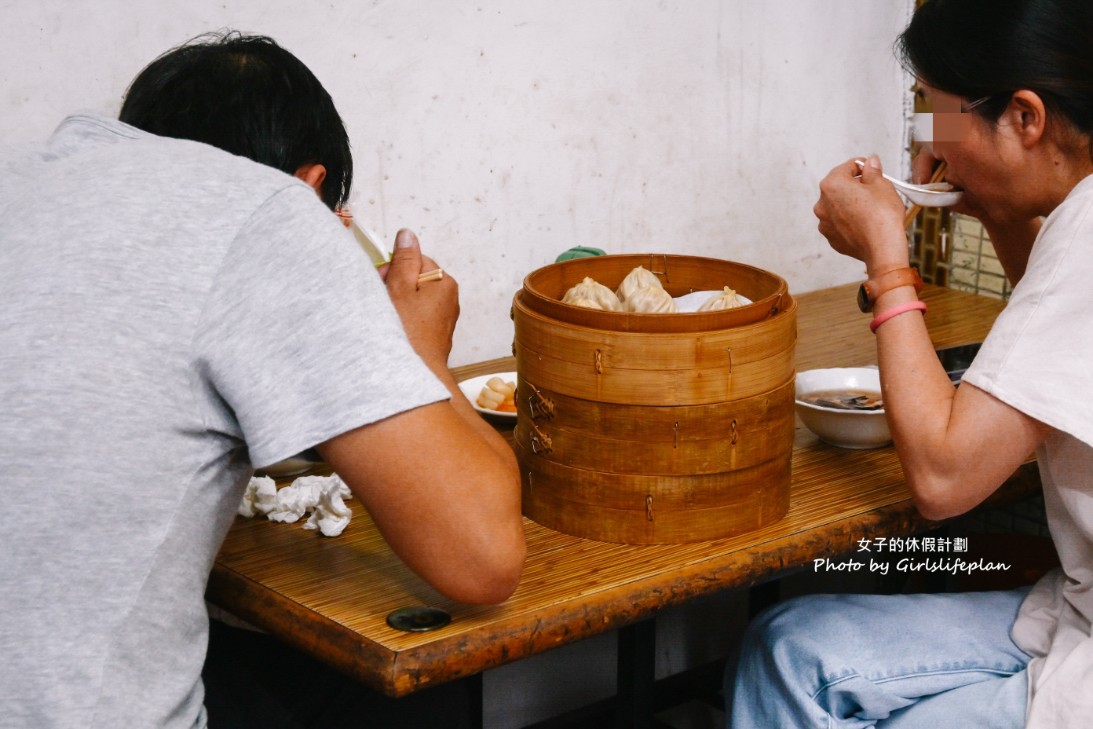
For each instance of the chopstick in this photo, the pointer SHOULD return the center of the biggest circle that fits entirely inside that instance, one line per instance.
(913, 211)
(372, 245)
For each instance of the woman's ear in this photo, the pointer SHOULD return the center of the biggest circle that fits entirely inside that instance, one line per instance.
(1028, 115)
(313, 175)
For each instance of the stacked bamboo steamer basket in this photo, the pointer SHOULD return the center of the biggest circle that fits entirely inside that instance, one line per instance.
(655, 428)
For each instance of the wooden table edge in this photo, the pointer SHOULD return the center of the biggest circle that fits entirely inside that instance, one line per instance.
(518, 636)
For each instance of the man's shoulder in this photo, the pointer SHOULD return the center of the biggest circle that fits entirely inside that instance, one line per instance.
(110, 141)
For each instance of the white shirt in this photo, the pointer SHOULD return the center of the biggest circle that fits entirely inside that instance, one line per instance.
(1038, 359)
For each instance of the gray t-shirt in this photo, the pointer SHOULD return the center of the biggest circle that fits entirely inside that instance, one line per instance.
(170, 315)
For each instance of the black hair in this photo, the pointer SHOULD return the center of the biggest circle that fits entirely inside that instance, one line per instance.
(249, 96)
(991, 48)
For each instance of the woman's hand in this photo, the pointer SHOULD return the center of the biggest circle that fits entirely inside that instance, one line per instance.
(861, 215)
(428, 310)
(922, 171)
(923, 166)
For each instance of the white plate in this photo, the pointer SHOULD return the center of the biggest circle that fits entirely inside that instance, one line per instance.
(689, 303)
(472, 387)
(295, 466)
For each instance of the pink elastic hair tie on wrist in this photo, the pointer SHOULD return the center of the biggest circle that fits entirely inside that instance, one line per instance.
(896, 311)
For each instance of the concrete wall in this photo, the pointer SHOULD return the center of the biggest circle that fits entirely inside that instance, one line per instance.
(506, 132)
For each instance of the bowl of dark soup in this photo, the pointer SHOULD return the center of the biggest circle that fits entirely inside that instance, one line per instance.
(843, 406)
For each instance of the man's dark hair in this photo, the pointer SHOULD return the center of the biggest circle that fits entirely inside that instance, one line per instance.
(249, 96)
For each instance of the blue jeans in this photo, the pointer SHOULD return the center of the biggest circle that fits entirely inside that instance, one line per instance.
(891, 661)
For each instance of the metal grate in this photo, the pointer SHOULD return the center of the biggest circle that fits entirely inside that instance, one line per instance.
(928, 238)
(972, 263)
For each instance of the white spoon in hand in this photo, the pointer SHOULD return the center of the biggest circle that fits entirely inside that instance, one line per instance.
(933, 195)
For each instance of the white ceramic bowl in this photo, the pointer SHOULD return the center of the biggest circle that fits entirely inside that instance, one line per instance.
(843, 428)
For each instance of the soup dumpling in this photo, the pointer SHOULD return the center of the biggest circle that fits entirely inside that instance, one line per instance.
(727, 299)
(639, 278)
(583, 302)
(592, 295)
(651, 300)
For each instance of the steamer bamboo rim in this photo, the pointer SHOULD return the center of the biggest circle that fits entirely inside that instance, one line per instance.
(679, 274)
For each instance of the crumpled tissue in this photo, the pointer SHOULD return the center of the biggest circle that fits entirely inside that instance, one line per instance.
(321, 496)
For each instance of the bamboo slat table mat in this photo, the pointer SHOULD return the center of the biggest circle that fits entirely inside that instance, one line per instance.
(331, 596)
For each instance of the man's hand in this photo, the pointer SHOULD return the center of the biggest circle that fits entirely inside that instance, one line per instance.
(428, 310)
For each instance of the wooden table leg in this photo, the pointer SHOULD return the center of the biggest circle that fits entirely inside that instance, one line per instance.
(636, 675)
(762, 596)
(475, 703)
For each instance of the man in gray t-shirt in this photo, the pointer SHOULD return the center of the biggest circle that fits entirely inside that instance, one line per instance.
(173, 316)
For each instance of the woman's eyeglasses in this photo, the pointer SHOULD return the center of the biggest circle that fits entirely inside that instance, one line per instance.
(965, 107)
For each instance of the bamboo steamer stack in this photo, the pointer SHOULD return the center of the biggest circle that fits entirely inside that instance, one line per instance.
(655, 428)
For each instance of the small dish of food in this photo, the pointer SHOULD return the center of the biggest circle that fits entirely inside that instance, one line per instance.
(492, 395)
(843, 406)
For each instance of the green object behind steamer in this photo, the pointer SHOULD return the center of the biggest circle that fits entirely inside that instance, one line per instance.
(578, 252)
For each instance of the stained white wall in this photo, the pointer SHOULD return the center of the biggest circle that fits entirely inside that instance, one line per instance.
(506, 132)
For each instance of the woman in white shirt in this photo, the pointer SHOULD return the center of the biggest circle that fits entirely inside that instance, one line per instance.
(1011, 82)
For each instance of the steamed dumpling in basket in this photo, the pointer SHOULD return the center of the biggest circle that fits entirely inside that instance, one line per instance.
(650, 300)
(727, 299)
(583, 302)
(592, 295)
(637, 279)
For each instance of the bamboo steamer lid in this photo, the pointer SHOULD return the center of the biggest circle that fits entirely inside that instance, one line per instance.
(655, 428)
